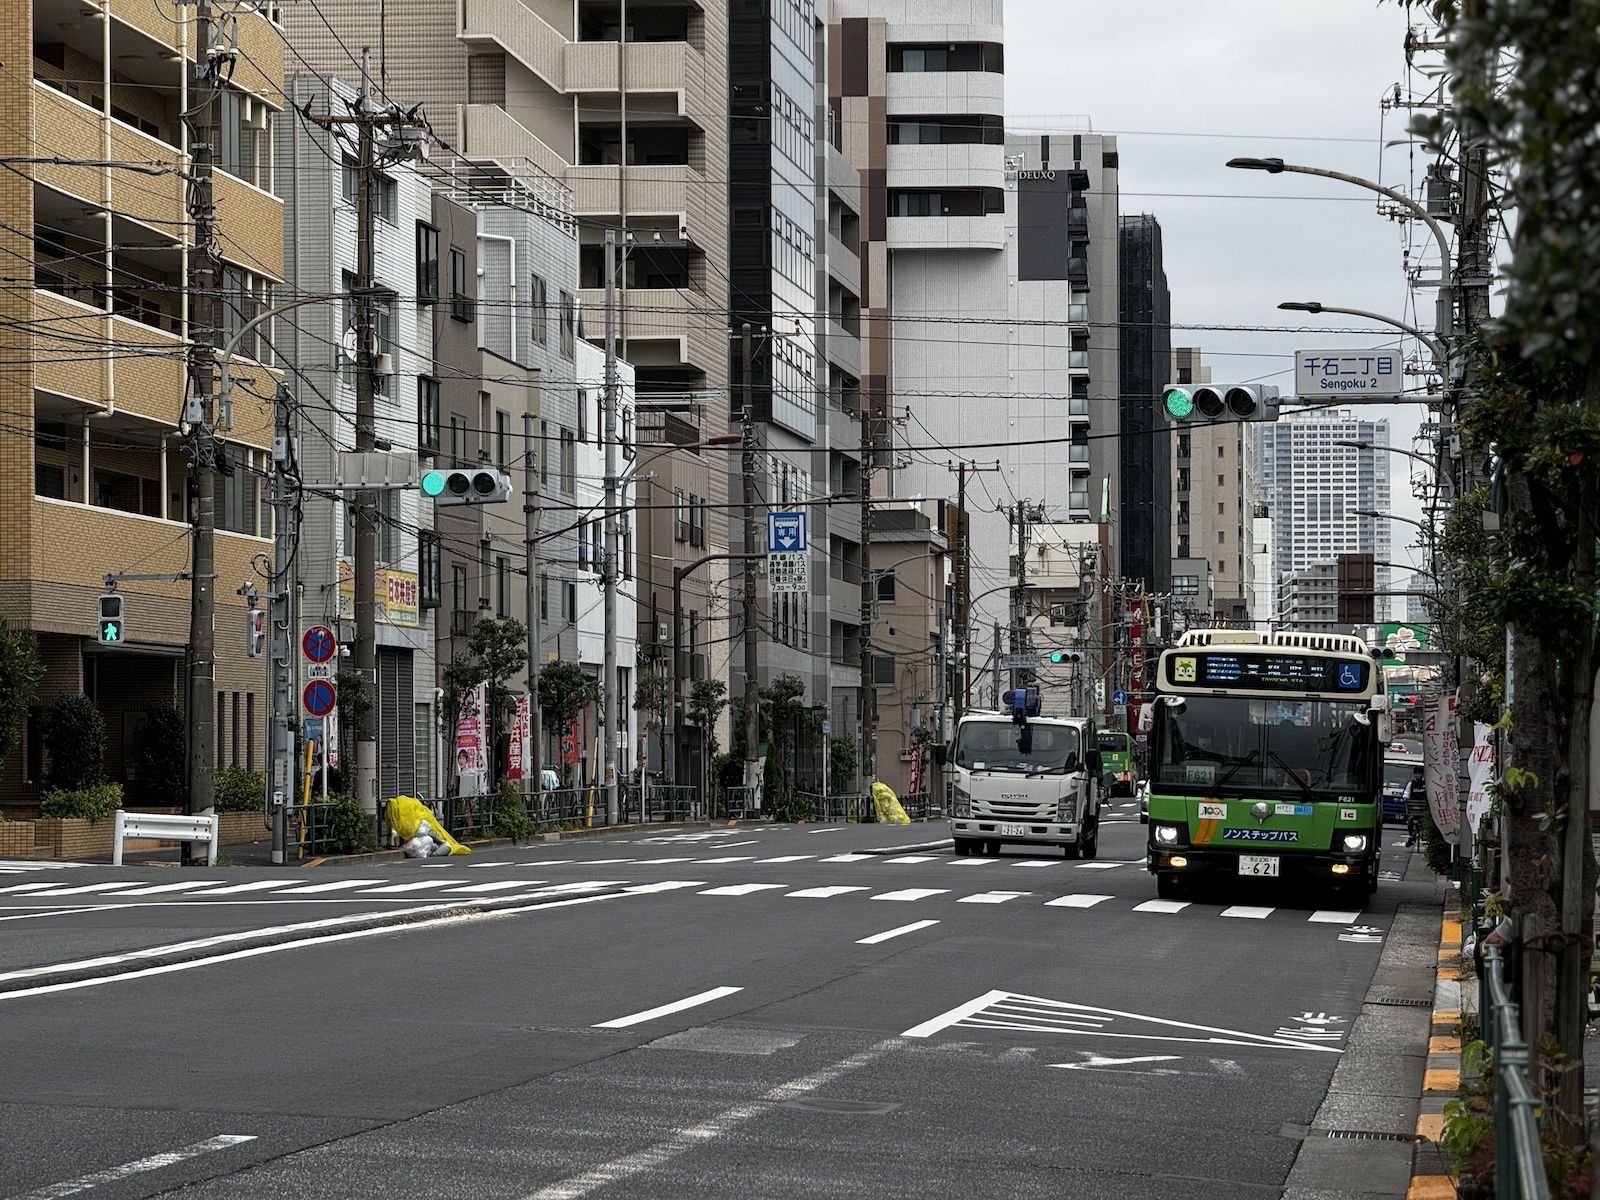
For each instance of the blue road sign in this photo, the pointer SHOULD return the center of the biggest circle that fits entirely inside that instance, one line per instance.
(1119, 698)
(786, 533)
(319, 697)
(319, 644)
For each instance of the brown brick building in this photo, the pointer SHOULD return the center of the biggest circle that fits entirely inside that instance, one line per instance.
(93, 320)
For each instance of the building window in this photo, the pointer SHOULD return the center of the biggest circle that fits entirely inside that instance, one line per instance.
(569, 602)
(886, 587)
(569, 461)
(427, 262)
(569, 326)
(1221, 481)
(1222, 452)
(502, 438)
(1219, 508)
(502, 586)
(462, 306)
(245, 137)
(1222, 537)
(430, 564)
(539, 305)
(680, 517)
(427, 416)
(583, 414)
(458, 588)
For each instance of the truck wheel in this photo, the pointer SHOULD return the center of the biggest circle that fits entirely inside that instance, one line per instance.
(967, 845)
(992, 849)
(1089, 840)
(1167, 886)
(1071, 849)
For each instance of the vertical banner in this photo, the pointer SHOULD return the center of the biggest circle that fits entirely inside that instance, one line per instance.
(916, 771)
(1480, 773)
(1135, 663)
(517, 751)
(572, 742)
(471, 763)
(330, 731)
(1442, 762)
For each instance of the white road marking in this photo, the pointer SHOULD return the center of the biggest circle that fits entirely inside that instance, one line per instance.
(1161, 906)
(29, 887)
(1096, 1062)
(959, 1013)
(656, 862)
(830, 829)
(731, 845)
(991, 897)
(184, 885)
(417, 886)
(823, 893)
(81, 889)
(650, 1014)
(728, 859)
(692, 1137)
(911, 894)
(912, 858)
(742, 889)
(1329, 917)
(337, 885)
(787, 858)
(1038, 862)
(1099, 866)
(1245, 910)
(605, 862)
(257, 885)
(61, 912)
(155, 1162)
(498, 885)
(972, 862)
(1075, 901)
(531, 862)
(666, 885)
(894, 933)
(849, 857)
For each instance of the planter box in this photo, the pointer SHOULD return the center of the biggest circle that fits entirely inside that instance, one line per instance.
(16, 839)
(72, 837)
(237, 827)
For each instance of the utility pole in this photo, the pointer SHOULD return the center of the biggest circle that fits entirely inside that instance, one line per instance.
(211, 62)
(963, 621)
(1020, 515)
(280, 616)
(533, 753)
(366, 509)
(869, 692)
(752, 682)
(995, 682)
(608, 569)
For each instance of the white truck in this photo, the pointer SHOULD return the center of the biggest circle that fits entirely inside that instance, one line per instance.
(1024, 779)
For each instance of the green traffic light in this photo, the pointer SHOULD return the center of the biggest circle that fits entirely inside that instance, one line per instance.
(1056, 656)
(1179, 402)
(433, 483)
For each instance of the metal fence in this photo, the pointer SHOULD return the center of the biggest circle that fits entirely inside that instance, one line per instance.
(311, 826)
(660, 802)
(1519, 1158)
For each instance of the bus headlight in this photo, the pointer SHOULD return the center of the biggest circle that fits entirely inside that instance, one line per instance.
(1167, 834)
(1355, 842)
(960, 802)
(1066, 810)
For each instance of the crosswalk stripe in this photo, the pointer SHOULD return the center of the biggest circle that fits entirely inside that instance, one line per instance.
(82, 889)
(417, 886)
(258, 885)
(1334, 917)
(666, 885)
(823, 893)
(656, 862)
(911, 894)
(605, 862)
(1039, 862)
(1099, 866)
(338, 885)
(1076, 901)
(991, 897)
(728, 859)
(913, 858)
(741, 889)
(499, 885)
(786, 858)
(183, 886)
(1245, 910)
(27, 887)
(973, 862)
(1161, 906)
(849, 857)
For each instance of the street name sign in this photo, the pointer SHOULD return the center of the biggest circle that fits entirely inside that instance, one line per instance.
(1368, 374)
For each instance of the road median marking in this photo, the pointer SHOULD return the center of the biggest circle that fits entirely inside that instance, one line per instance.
(71, 1187)
(665, 1010)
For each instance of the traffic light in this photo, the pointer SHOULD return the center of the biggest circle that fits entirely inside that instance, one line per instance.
(1216, 402)
(255, 630)
(1065, 656)
(111, 632)
(477, 486)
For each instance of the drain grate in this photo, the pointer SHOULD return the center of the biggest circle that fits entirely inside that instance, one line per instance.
(1400, 1002)
(1367, 1135)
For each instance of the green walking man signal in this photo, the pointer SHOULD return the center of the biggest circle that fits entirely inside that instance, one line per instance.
(112, 632)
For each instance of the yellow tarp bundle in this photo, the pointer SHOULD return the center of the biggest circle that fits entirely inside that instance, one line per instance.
(887, 805)
(406, 815)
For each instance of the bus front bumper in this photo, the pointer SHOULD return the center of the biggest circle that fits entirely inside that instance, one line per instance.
(1327, 865)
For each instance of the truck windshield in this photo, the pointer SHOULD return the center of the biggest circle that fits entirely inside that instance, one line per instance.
(1029, 749)
(1290, 745)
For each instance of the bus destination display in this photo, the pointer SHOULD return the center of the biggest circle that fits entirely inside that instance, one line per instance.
(1269, 672)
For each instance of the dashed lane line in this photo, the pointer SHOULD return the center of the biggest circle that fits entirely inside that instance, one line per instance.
(991, 897)
(822, 893)
(1161, 906)
(666, 1010)
(1076, 901)
(911, 894)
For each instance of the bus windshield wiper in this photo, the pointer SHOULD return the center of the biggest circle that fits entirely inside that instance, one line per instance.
(1237, 767)
(1290, 772)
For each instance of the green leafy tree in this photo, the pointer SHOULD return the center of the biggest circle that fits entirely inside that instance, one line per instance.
(841, 765)
(21, 672)
(707, 699)
(782, 703)
(163, 771)
(1534, 405)
(652, 698)
(75, 744)
(355, 702)
(564, 692)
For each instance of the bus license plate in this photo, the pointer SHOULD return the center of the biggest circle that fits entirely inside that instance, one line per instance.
(1013, 831)
(1261, 865)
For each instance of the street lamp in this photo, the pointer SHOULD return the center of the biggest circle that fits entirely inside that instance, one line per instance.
(1421, 458)
(1440, 358)
(1444, 313)
(1427, 529)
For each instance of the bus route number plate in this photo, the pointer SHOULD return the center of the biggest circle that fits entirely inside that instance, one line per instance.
(1263, 866)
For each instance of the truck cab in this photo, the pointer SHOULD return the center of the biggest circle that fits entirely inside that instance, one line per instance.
(1027, 780)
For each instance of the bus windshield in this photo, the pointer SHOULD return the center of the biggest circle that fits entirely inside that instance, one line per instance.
(1030, 749)
(1109, 741)
(1295, 745)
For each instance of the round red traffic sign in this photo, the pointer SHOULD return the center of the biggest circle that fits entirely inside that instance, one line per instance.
(319, 644)
(319, 697)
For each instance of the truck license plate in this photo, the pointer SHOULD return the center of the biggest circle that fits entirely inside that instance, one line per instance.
(1013, 831)
(1261, 865)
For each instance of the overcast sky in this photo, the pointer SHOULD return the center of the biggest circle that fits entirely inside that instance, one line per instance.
(1187, 86)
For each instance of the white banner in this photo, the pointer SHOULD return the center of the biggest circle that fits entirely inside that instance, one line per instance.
(1442, 761)
(1480, 773)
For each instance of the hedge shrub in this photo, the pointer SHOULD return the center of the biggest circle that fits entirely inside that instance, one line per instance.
(349, 827)
(75, 743)
(238, 790)
(87, 804)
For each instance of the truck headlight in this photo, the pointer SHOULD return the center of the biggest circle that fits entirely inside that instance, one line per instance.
(1167, 834)
(960, 802)
(1066, 810)
(1355, 842)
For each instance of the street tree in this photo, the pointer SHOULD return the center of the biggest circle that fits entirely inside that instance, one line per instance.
(564, 692)
(707, 699)
(496, 651)
(781, 705)
(21, 672)
(652, 698)
(1534, 413)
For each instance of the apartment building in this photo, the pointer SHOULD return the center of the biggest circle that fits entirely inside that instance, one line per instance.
(1144, 447)
(96, 464)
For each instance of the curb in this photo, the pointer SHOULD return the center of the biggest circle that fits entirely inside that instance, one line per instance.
(1441, 1082)
(535, 839)
(110, 966)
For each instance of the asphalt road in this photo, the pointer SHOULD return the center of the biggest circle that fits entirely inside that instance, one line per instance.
(730, 1013)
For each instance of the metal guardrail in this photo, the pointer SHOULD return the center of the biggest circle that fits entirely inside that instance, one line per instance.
(311, 827)
(660, 802)
(1519, 1157)
(852, 807)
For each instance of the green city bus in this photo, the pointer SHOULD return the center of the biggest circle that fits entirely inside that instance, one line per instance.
(1266, 760)
(1116, 760)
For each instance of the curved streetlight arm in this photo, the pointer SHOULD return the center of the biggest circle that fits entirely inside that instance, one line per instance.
(1383, 516)
(231, 347)
(1421, 458)
(1441, 359)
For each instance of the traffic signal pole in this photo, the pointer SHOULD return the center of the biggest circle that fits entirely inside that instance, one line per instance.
(610, 577)
(280, 747)
(366, 512)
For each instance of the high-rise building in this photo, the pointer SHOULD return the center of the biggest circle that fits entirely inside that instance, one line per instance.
(1144, 444)
(1318, 472)
(1211, 516)
(97, 472)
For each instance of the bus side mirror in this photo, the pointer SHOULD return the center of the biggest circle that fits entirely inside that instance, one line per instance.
(941, 753)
